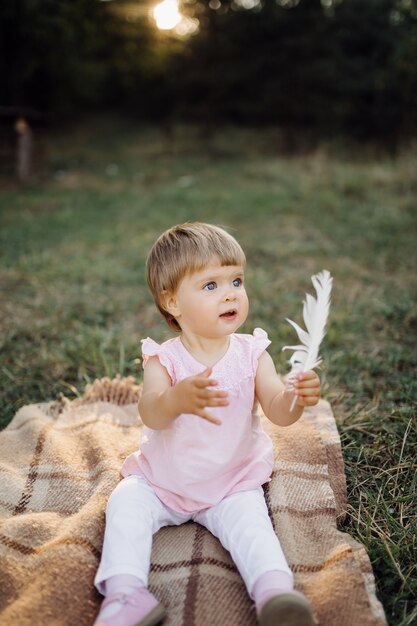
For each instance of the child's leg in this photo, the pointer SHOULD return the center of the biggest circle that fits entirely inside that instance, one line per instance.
(242, 524)
(134, 513)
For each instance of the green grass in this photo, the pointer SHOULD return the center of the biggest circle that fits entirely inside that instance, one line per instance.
(75, 303)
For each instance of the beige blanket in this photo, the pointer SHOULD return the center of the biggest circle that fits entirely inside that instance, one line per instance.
(60, 461)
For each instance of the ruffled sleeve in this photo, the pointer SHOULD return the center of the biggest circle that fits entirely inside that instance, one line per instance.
(260, 344)
(151, 348)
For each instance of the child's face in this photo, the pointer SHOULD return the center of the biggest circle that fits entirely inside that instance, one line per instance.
(212, 302)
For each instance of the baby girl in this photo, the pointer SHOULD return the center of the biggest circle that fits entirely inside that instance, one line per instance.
(204, 456)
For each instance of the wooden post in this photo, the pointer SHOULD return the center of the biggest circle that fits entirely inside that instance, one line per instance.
(24, 150)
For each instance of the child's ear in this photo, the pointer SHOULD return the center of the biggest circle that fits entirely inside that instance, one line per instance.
(169, 303)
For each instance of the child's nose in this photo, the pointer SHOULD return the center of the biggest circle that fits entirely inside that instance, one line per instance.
(229, 295)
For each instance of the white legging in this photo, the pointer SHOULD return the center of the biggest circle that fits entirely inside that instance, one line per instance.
(240, 521)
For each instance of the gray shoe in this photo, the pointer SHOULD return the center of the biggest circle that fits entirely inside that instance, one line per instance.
(287, 609)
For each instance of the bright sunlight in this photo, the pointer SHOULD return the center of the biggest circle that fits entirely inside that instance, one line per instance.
(167, 15)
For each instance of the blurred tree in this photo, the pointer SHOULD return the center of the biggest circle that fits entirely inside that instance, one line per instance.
(366, 37)
(402, 73)
(257, 66)
(65, 55)
(313, 67)
(50, 53)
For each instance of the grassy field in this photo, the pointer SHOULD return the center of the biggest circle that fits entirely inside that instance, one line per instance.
(74, 301)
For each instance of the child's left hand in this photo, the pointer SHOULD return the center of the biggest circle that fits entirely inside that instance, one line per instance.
(306, 386)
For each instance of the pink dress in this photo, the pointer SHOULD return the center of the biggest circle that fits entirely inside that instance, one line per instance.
(194, 464)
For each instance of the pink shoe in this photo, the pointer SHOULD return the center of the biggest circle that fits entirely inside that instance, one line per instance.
(139, 608)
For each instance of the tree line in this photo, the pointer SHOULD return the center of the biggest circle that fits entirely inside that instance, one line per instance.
(312, 67)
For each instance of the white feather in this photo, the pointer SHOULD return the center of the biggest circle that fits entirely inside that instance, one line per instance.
(315, 313)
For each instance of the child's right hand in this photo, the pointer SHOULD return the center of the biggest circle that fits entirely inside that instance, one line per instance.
(193, 395)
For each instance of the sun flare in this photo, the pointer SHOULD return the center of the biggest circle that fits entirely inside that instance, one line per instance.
(167, 15)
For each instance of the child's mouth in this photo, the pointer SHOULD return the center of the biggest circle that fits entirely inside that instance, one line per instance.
(229, 315)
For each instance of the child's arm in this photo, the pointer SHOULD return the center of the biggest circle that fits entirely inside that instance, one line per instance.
(161, 402)
(276, 401)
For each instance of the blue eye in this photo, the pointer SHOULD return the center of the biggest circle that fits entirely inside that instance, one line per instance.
(237, 282)
(210, 286)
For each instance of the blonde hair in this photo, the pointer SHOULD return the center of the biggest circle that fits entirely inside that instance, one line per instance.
(183, 250)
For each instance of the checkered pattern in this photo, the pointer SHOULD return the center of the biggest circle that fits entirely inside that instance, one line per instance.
(58, 464)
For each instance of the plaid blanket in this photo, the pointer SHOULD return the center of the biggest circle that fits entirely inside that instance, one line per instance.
(60, 461)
